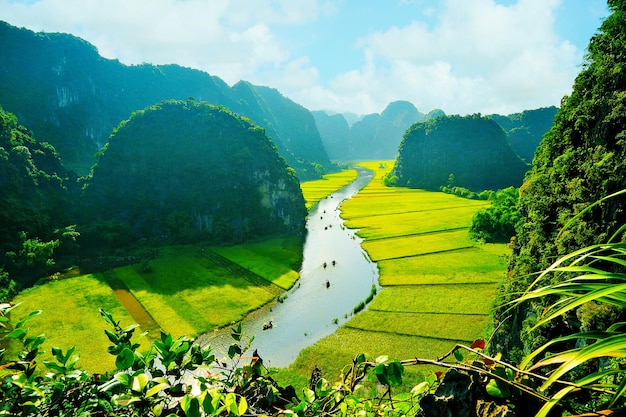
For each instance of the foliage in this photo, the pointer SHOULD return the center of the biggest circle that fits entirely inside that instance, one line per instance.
(525, 129)
(35, 192)
(73, 98)
(472, 148)
(579, 161)
(176, 376)
(497, 222)
(184, 171)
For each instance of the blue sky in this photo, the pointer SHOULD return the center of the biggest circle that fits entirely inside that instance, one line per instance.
(487, 56)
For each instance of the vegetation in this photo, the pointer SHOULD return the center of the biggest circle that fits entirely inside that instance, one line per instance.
(526, 129)
(316, 190)
(473, 149)
(34, 204)
(184, 290)
(580, 160)
(497, 222)
(419, 240)
(189, 171)
(81, 97)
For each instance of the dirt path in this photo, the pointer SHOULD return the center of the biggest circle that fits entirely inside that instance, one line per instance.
(131, 304)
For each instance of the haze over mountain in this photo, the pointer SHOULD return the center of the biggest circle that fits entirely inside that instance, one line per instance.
(373, 136)
(61, 88)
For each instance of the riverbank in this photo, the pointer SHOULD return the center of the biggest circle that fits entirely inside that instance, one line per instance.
(336, 276)
(438, 286)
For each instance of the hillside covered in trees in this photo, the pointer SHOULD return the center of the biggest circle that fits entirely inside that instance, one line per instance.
(176, 172)
(35, 202)
(68, 95)
(580, 161)
(526, 129)
(189, 171)
(470, 152)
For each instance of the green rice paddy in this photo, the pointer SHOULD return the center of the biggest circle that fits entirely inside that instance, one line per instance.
(316, 190)
(186, 290)
(439, 286)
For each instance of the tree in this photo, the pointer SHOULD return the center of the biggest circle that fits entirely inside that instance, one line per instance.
(580, 160)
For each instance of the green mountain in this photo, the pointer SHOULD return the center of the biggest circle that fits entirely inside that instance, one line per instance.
(373, 136)
(526, 129)
(68, 95)
(579, 161)
(473, 149)
(189, 170)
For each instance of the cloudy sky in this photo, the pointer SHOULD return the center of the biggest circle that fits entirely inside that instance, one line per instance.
(462, 56)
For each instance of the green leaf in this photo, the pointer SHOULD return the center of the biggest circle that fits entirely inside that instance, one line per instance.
(496, 389)
(16, 334)
(125, 359)
(458, 355)
(139, 382)
(156, 389)
(191, 406)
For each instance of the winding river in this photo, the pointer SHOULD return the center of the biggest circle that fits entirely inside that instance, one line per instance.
(325, 295)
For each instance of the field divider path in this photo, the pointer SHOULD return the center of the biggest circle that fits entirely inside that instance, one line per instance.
(365, 216)
(243, 272)
(430, 232)
(428, 312)
(424, 254)
(131, 303)
(443, 339)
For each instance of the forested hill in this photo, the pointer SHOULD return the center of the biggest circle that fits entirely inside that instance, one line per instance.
(526, 129)
(35, 197)
(185, 170)
(470, 152)
(579, 161)
(374, 136)
(68, 95)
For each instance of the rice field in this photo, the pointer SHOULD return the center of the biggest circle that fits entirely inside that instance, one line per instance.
(316, 190)
(438, 286)
(184, 290)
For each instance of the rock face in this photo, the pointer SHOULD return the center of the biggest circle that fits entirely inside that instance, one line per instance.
(472, 149)
(188, 170)
(68, 95)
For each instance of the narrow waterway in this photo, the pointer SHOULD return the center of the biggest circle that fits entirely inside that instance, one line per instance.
(336, 275)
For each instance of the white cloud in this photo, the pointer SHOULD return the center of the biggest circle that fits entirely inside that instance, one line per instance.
(471, 56)
(479, 57)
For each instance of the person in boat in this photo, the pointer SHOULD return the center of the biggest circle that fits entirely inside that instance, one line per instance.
(268, 325)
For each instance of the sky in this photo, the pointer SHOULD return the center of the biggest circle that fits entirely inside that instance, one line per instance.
(461, 56)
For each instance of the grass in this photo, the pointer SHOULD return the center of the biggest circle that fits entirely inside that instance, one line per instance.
(69, 317)
(438, 286)
(277, 260)
(185, 291)
(316, 190)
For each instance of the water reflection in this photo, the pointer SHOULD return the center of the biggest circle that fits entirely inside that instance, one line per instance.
(336, 275)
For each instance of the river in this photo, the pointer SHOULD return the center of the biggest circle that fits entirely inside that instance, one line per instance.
(324, 296)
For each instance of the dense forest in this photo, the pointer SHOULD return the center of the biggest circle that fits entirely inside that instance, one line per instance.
(190, 171)
(175, 172)
(35, 204)
(580, 160)
(68, 95)
(470, 152)
(526, 129)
